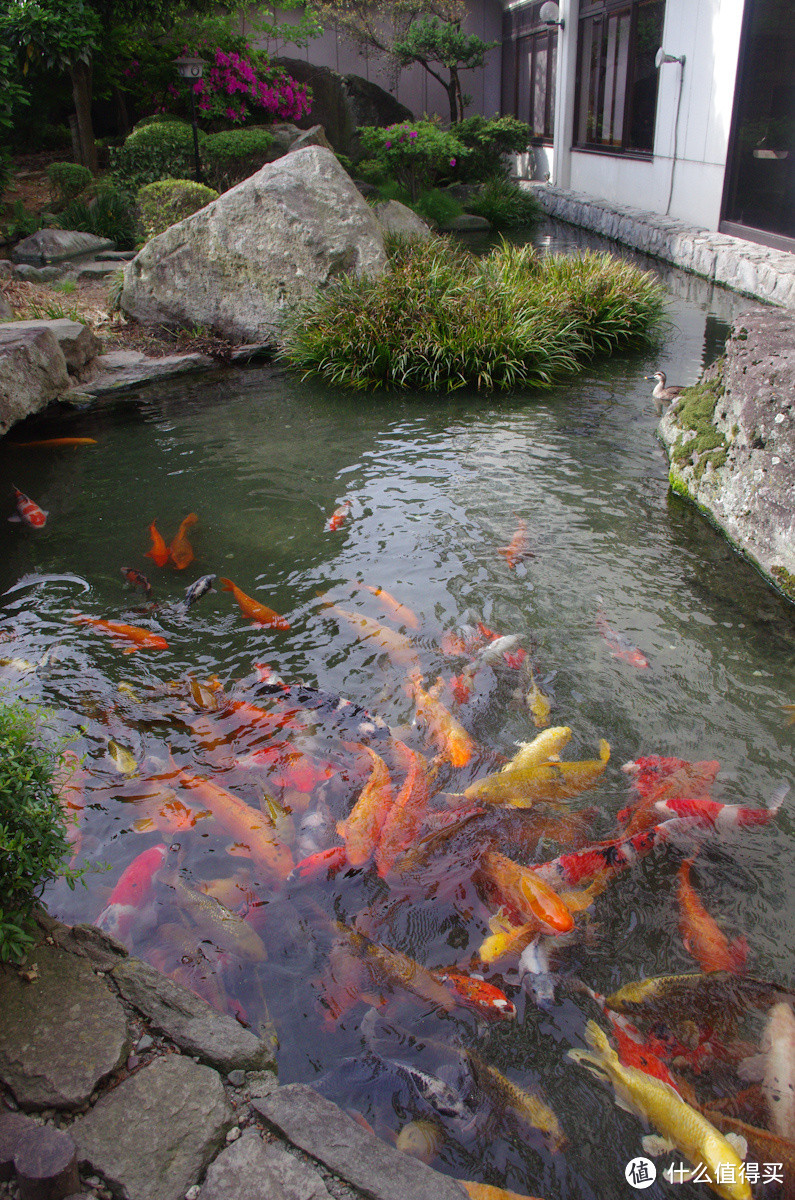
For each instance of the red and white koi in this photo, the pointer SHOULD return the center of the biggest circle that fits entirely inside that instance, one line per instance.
(609, 857)
(473, 992)
(709, 814)
(620, 645)
(28, 511)
(127, 903)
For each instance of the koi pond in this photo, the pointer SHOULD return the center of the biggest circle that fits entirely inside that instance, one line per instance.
(213, 780)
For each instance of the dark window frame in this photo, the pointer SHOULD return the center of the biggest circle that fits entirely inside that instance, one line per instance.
(524, 33)
(603, 10)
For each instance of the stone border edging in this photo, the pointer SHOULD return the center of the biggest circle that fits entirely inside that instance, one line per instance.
(758, 271)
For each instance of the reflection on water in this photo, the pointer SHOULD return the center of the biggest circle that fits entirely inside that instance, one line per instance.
(173, 743)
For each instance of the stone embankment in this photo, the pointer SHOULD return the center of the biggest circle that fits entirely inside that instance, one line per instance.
(758, 271)
(731, 443)
(117, 1082)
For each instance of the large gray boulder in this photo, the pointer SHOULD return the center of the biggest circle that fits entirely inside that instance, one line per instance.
(738, 465)
(32, 371)
(77, 341)
(239, 265)
(401, 221)
(340, 103)
(56, 245)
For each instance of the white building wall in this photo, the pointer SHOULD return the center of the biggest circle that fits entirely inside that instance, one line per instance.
(707, 32)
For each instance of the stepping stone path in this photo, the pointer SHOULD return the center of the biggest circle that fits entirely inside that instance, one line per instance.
(157, 1124)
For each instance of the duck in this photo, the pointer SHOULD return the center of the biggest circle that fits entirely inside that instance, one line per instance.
(661, 392)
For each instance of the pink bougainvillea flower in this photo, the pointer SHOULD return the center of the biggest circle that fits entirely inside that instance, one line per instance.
(452, 162)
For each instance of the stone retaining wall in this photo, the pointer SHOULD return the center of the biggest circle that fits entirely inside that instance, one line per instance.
(746, 267)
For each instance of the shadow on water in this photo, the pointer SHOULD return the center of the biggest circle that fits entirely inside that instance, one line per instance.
(436, 486)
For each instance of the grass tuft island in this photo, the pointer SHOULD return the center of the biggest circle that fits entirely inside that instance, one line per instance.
(440, 319)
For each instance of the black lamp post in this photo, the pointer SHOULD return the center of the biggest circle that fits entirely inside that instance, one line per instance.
(192, 69)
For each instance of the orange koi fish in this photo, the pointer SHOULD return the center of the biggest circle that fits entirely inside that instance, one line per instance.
(363, 827)
(144, 640)
(48, 442)
(399, 612)
(518, 547)
(472, 991)
(620, 645)
(701, 936)
(390, 967)
(405, 817)
(28, 511)
(287, 766)
(137, 579)
(338, 516)
(254, 830)
(487, 1191)
(253, 609)
(522, 786)
(160, 552)
(518, 888)
(453, 741)
(180, 550)
(398, 647)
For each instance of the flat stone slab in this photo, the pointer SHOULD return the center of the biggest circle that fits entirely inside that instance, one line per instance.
(189, 1021)
(152, 1136)
(127, 368)
(96, 269)
(467, 223)
(321, 1129)
(54, 245)
(255, 1170)
(59, 1034)
(77, 341)
(14, 1128)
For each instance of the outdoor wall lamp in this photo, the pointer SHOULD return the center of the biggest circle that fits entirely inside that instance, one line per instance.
(549, 13)
(192, 69)
(661, 57)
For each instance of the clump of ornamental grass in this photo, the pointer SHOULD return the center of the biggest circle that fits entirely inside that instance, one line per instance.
(441, 319)
(33, 839)
(505, 205)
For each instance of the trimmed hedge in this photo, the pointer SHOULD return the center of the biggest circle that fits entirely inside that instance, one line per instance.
(67, 180)
(167, 201)
(234, 155)
(162, 150)
(487, 141)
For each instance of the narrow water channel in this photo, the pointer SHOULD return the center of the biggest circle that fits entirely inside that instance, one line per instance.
(435, 487)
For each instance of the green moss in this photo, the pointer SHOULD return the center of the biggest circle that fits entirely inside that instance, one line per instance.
(695, 410)
(785, 580)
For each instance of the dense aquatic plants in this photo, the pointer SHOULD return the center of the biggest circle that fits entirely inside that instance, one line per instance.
(442, 319)
(33, 841)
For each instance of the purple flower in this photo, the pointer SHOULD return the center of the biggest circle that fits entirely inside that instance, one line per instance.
(414, 134)
(388, 145)
(452, 162)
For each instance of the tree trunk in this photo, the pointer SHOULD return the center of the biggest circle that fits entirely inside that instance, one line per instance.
(123, 116)
(453, 99)
(81, 93)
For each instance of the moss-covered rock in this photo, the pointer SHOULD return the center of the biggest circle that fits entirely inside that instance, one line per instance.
(700, 441)
(168, 201)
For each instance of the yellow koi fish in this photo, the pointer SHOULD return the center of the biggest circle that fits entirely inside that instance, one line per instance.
(659, 1104)
(123, 759)
(486, 1191)
(543, 747)
(398, 647)
(214, 921)
(549, 781)
(449, 735)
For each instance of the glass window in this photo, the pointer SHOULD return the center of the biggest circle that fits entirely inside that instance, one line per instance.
(529, 55)
(617, 78)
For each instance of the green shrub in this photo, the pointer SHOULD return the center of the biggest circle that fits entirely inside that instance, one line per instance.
(67, 180)
(504, 204)
(163, 150)
(109, 215)
(441, 319)
(160, 118)
(6, 170)
(167, 201)
(433, 205)
(487, 141)
(416, 153)
(21, 223)
(369, 170)
(33, 842)
(234, 155)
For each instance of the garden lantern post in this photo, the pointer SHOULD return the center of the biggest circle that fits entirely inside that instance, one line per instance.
(192, 69)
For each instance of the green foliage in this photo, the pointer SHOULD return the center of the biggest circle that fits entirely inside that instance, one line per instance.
(114, 289)
(6, 170)
(434, 45)
(369, 170)
(58, 32)
(168, 201)
(13, 93)
(234, 155)
(157, 151)
(21, 223)
(55, 312)
(67, 180)
(487, 141)
(33, 842)
(159, 119)
(433, 205)
(416, 153)
(505, 205)
(441, 319)
(109, 215)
